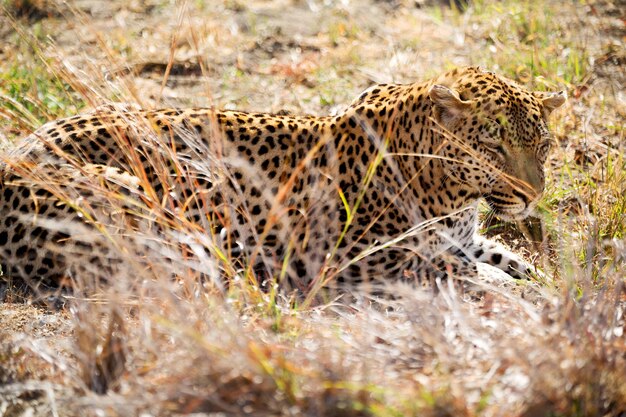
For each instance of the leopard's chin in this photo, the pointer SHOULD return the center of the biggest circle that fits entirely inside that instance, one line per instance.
(510, 216)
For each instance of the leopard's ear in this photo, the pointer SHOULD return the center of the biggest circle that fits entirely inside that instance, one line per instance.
(551, 101)
(447, 103)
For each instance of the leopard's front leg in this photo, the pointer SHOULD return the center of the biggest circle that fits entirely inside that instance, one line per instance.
(463, 247)
(493, 253)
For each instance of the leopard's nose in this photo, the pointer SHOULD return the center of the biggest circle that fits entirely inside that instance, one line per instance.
(529, 178)
(528, 190)
(534, 181)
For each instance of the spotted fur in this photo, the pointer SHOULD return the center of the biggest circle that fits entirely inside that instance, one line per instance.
(387, 189)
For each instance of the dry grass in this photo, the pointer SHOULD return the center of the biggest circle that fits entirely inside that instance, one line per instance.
(149, 345)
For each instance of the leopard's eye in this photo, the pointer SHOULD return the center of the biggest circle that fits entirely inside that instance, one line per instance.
(544, 147)
(497, 148)
(493, 141)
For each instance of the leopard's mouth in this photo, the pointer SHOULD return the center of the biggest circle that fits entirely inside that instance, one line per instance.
(510, 208)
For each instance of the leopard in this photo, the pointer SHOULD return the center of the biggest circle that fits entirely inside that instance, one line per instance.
(387, 189)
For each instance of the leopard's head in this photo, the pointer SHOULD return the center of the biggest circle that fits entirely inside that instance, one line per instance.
(495, 137)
